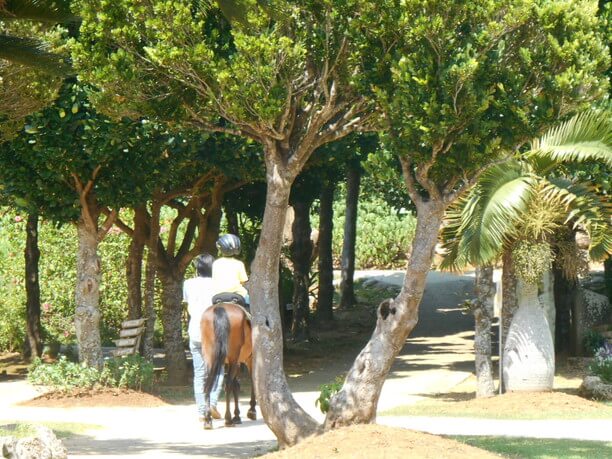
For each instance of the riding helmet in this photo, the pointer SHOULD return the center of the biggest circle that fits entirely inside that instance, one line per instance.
(229, 245)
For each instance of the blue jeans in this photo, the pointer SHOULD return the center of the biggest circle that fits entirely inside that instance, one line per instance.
(199, 376)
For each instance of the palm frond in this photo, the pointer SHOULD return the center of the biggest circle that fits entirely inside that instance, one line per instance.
(32, 53)
(587, 135)
(478, 226)
(53, 11)
(586, 208)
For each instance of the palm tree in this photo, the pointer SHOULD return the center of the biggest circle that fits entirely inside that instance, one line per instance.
(29, 51)
(519, 208)
(30, 72)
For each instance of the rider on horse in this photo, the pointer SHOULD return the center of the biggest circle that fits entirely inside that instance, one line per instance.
(229, 273)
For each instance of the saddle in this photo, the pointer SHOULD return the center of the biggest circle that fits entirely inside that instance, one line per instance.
(235, 298)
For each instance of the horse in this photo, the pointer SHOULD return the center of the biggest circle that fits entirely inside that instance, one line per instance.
(226, 338)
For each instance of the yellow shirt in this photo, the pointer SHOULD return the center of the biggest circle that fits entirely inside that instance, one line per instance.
(228, 276)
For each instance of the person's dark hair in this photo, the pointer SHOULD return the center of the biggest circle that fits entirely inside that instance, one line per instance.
(203, 264)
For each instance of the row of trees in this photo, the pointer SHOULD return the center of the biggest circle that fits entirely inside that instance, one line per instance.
(453, 88)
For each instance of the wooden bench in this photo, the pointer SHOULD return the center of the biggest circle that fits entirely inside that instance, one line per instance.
(129, 337)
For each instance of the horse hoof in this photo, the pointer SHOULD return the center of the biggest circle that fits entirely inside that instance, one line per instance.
(229, 424)
(236, 420)
(252, 415)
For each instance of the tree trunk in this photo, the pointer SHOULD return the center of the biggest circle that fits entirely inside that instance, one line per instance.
(149, 309)
(325, 298)
(509, 301)
(232, 221)
(32, 255)
(87, 315)
(172, 313)
(564, 292)
(529, 358)
(347, 290)
(287, 420)
(483, 314)
(356, 402)
(134, 266)
(547, 300)
(301, 253)
(213, 226)
(608, 276)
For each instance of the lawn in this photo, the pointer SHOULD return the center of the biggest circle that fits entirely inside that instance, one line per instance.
(537, 448)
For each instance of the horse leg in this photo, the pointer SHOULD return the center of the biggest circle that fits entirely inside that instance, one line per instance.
(228, 391)
(252, 413)
(207, 416)
(236, 419)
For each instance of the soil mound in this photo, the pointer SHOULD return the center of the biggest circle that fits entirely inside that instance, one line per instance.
(374, 441)
(103, 397)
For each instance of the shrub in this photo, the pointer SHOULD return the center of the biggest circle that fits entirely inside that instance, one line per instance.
(130, 372)
(383, 235)
(593, 341)
(63, 375)
(602, 365)
(327, 392)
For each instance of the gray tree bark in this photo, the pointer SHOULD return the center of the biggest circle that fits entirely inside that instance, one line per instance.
(347, 260)
(483, 314)
(287, 420)
(547, 299)
(510, 299)
(171, 316)
(87, 314)
(529, 357)
(356, 402)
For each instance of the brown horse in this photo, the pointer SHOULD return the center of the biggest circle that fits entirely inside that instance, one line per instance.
(226, 338)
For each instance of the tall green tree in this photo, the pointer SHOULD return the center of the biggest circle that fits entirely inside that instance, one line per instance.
(464, 86)
(459, 85)
(529, 201)
(33, 59)
(72, 165)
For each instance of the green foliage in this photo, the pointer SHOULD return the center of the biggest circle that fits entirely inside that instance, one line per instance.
(64, 375)
(131, 372)
(532, 260)
(602, 365)
(593, 341)
(469, 82)
(327, 392)
(31, 59)
(57, 276)
(383, 235)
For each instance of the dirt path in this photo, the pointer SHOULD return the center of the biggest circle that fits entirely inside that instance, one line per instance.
(437, 357)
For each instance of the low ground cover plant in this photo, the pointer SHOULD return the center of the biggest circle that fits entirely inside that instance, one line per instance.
(129, 372)
(602, 364)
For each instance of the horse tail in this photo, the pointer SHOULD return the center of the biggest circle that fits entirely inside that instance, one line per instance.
(221, 326)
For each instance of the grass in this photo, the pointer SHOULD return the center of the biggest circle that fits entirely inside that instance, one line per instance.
(61, 429)
(432, 409)
(540, 448)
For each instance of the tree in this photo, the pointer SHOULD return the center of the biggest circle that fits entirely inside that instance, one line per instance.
(465, 86)
(192, 179)
(69, 165)
(520, 202)
(294, 78)
(32, 61)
